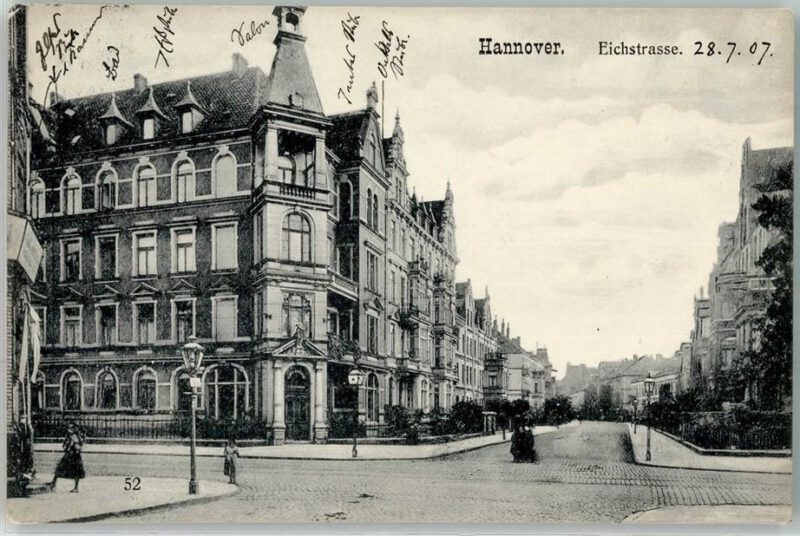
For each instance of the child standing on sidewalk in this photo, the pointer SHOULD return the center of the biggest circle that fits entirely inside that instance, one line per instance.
(231, 452)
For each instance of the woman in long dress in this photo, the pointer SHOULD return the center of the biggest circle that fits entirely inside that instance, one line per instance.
(71, 464)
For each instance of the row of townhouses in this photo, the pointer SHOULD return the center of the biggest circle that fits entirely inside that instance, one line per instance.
(231, 207)
(737, 286)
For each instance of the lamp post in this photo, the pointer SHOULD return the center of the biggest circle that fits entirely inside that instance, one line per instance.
(649, 386)
(635, 415)
(354, 379)
(192, 354)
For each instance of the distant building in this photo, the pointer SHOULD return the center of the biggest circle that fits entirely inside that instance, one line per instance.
(738, 289)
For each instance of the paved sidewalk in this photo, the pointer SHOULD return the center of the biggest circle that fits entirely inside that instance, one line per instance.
(102, 497)
(666, 452)
(307, 450)
(725, 514)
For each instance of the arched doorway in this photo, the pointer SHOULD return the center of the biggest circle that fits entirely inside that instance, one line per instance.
(297, 405)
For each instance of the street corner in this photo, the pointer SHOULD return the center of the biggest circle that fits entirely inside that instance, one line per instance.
(713, 515)
(108, 497)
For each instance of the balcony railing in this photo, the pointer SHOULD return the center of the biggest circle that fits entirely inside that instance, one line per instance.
(339, 282)
(293, 190)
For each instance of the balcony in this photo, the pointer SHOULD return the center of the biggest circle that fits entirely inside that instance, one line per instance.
(292, 190)
(409, 317)
(343, 285)
(418, 267)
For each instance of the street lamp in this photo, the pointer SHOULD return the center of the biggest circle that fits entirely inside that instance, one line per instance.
(649, 386)
(192, 354)
(354, 379)
(635, 402)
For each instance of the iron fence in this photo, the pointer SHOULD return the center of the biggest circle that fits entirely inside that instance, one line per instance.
(146, 427)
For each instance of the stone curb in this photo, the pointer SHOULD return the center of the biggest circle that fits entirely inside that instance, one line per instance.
(458, 450)
(651, 464)
(147, 509)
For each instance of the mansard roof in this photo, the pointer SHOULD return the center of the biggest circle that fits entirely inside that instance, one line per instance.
(348, 133)
(229, 99)
(291, 75)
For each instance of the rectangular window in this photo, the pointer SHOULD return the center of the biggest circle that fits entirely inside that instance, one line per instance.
(372, 272)
(403, 298)
(372, 334)
(106, 257)
(186, 122)
(72, 326)
(225, 246)
(149, 128)
(258, 237)
(183, 250)
(392, 282)
(225, 318)
(184, 320)
(144, 253)
(392, 346)
(145, 323)
(258, 313)
(71, 260)
(346, 261)
(394, 235)
(106, 325)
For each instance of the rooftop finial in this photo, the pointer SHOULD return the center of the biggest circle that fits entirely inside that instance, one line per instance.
(372, 97)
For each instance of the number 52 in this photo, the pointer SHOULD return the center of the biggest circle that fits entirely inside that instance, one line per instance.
(133, 483)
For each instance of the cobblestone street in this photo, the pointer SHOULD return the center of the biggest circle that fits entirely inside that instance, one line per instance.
(585, 474)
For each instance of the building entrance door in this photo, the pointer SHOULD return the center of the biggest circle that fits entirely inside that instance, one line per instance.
(298, 405)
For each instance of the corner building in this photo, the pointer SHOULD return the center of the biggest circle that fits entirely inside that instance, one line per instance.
(231, 207)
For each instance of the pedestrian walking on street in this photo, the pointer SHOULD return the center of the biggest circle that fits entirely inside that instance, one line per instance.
(231, 452)
(530, 444)
(71, 463)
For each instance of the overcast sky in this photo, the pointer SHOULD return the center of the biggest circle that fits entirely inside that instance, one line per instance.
(588, 189)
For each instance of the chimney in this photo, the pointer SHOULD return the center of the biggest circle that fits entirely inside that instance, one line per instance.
(372, 97)
(139, 83)
(517, 341)
(239, 64)
(54, 98)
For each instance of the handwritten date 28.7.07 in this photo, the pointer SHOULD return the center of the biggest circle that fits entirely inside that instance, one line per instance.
(732, 50)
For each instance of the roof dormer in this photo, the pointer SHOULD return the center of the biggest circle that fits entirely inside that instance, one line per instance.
(150, 116)
(114, 123)
(190, 111)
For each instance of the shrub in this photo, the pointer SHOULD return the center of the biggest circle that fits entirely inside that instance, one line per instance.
(467, 417)
(340, 426)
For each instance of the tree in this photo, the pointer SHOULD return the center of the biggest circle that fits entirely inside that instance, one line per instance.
(557, 410)
(772, 357)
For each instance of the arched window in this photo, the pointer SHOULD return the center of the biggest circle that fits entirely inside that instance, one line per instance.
(146, 390)
(296, 312)
(72, 195)
(184, 182)
(72, 392)
(424, 395)
(37, 199)
(296, 238)
(107, 391)
(375, 211)
(225, 392)
(345, 201)
(107, 198)
(146, 187)
(225, 175)
(369, 206)
(286, 170)
(371, 389)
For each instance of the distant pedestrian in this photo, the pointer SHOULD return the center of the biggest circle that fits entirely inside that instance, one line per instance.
(71, 463)
(231, 452)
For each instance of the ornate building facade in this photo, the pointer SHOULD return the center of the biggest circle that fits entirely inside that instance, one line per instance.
(231, 207)
(737, 286)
